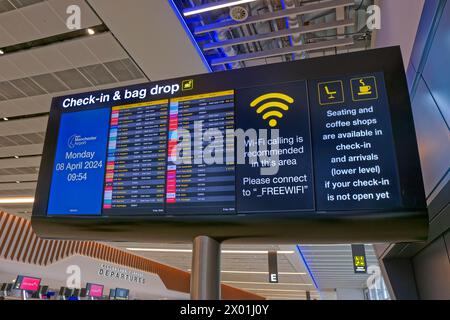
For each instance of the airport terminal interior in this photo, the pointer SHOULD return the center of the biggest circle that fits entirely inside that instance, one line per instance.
(74, 48)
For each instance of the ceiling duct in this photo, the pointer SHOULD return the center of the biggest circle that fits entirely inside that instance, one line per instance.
(292, 22)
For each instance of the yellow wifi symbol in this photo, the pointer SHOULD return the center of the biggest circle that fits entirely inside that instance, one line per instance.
(272, 114)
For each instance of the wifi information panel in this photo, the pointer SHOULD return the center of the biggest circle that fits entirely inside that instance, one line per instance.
(277, 173)
(272, 150)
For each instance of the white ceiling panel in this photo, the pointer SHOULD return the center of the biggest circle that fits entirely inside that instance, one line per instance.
(19, 163)
(5, 37)
(155, 38)
(42, 103)
(31, 149)
(19, 29)
(18, 186)
(51, 58)
(105, 47)
(23, 126)
(44, 19)
(28, 105)
(41, 20)
(77, 53)
(27, 63)
(19, 177)
(9, 70)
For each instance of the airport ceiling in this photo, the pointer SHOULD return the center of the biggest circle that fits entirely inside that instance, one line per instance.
(134, 41)
(43, 58)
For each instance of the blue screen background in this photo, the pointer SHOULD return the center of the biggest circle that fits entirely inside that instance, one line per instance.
(84, 195)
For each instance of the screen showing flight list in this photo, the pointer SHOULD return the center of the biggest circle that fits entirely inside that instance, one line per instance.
(197, 183)
(316, 145)
(135, 167)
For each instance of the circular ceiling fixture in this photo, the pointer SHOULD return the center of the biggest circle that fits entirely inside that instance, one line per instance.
(238, 13)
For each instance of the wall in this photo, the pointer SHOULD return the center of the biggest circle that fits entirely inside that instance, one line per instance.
(349, 294)
(429, 78)
(55, 276)
(399, 22)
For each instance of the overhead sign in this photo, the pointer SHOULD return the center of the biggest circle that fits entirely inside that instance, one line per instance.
(359, 258)
(273, 266)
(271, 149)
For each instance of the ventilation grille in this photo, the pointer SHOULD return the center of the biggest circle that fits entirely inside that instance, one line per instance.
(9, 5)
(22, 139)
(71, 79)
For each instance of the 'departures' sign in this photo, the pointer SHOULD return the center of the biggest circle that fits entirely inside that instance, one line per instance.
(316, 150)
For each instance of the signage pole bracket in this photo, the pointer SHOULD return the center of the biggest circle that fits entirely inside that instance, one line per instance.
(205, 274)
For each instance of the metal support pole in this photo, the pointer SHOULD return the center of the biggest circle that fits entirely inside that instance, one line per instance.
(205, 274)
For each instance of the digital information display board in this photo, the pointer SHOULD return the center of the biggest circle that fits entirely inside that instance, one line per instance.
(281, 146)
(200, 187)
(135, 166)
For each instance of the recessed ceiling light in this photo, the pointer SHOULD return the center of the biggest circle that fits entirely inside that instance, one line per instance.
(91, 31)
(213, 6)
(17, 181)
(5, 119)
(17, 157)
(2, 52)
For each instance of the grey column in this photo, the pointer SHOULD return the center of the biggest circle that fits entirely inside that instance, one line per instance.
(205, 274)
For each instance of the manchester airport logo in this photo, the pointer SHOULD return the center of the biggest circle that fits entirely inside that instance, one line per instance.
(76, 141)
(271, 106)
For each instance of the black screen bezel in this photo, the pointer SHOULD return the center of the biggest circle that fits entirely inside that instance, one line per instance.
(408, 222)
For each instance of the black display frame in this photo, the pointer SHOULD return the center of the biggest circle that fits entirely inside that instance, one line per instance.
(408, 223)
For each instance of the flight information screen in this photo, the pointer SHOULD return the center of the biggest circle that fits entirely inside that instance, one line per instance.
(314, 145)
(198, 180)
(135, 168)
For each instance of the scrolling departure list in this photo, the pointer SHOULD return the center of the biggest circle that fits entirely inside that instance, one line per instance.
(306, 146)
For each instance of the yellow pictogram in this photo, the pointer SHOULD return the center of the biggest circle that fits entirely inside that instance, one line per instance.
(272, 114)
(187, 85)
(360, 261)
(331, 94)
(364, 89)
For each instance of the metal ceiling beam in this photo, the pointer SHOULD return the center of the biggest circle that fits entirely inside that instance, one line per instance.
(275, 15)
(282, 51)
(278, 34)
